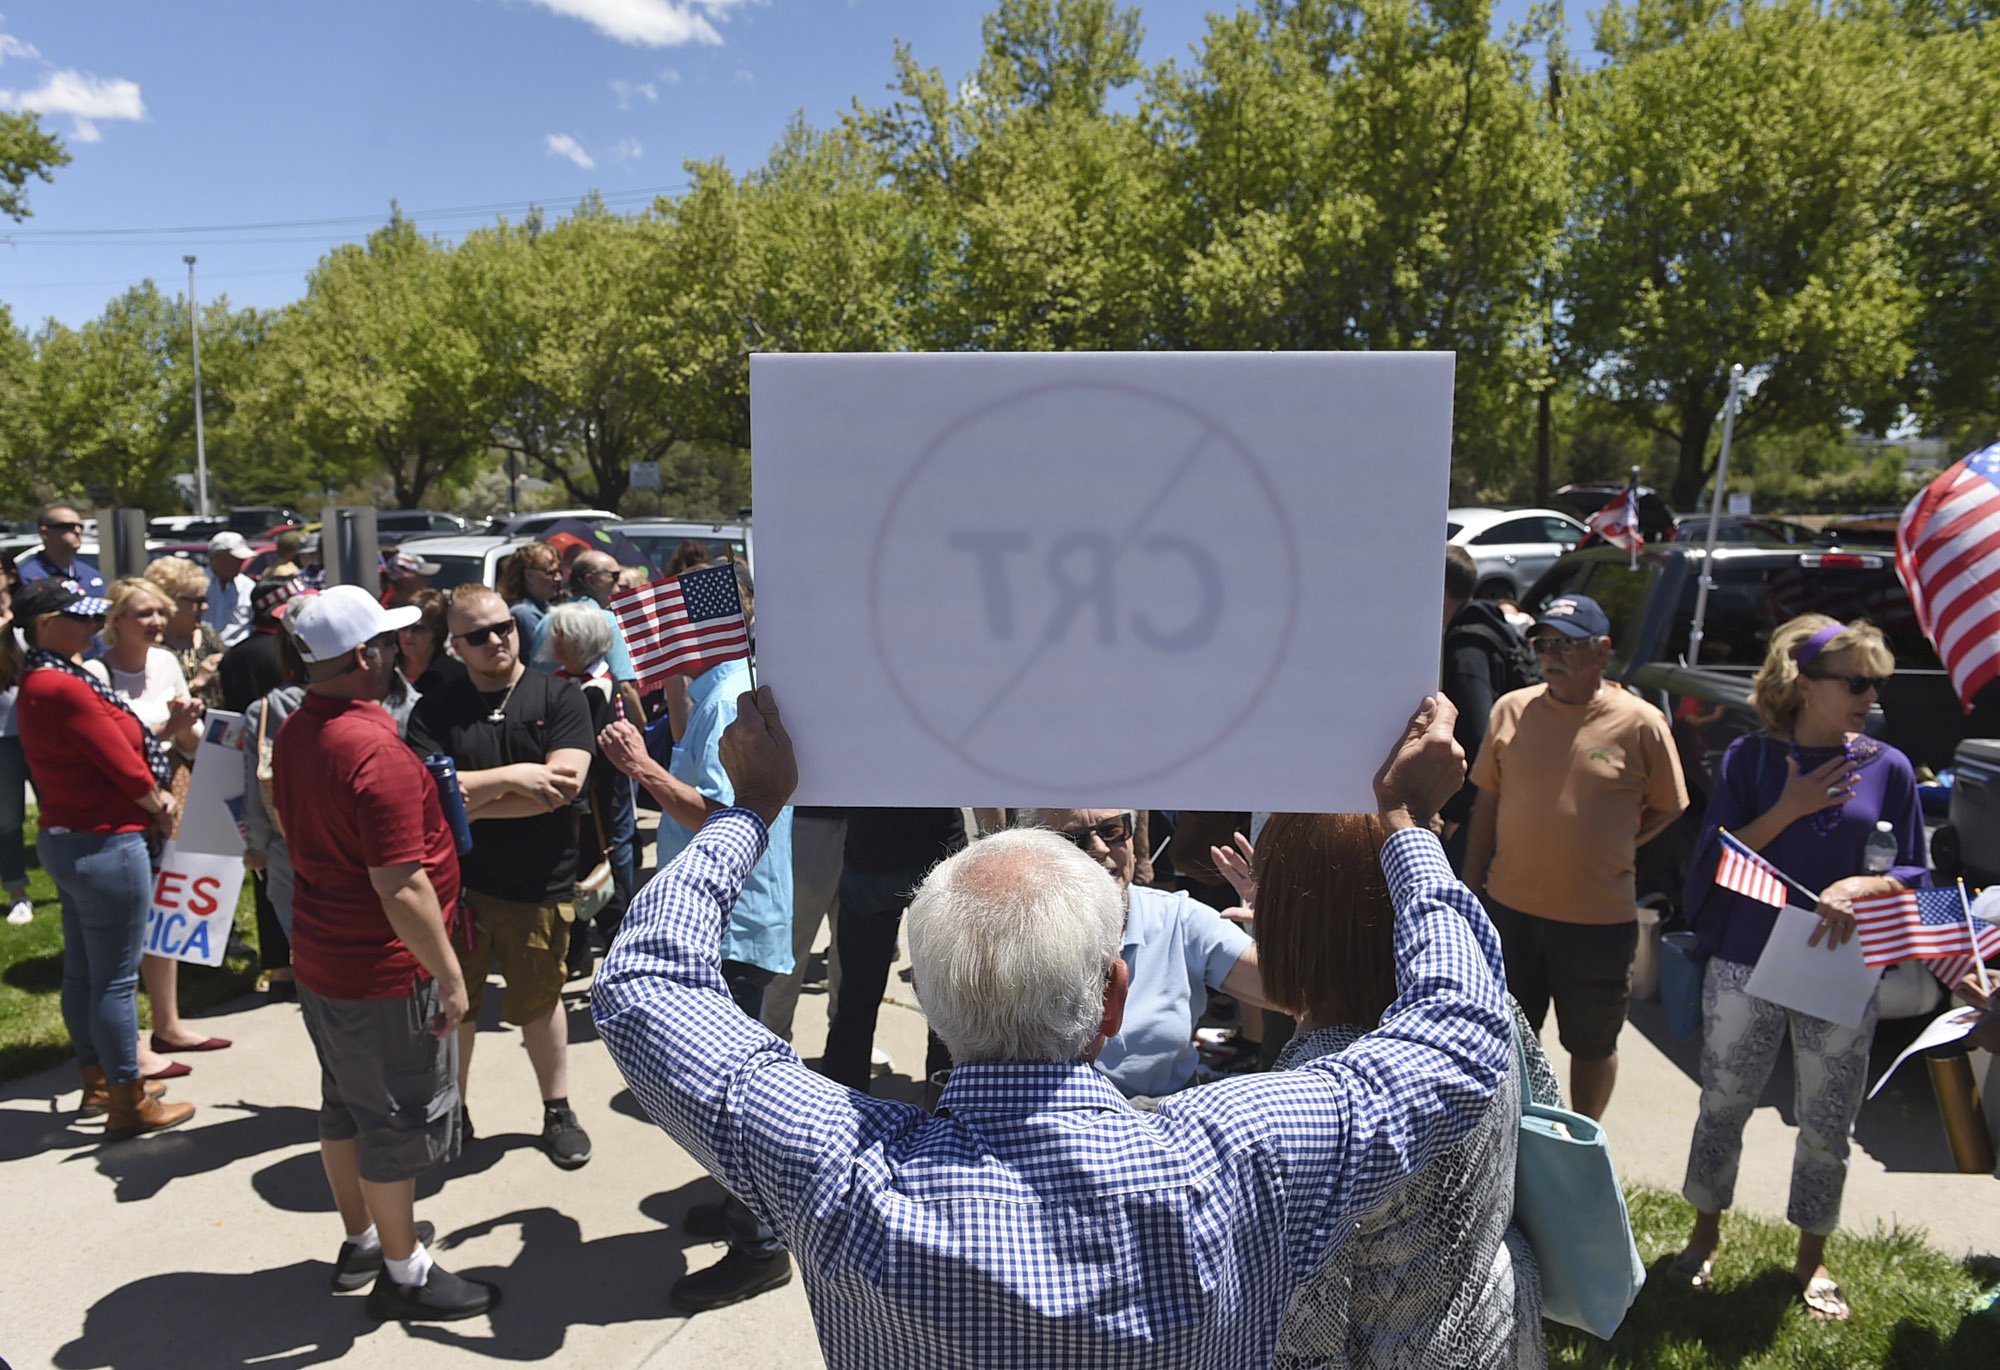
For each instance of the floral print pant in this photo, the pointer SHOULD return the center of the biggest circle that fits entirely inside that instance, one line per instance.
(1741, 1035)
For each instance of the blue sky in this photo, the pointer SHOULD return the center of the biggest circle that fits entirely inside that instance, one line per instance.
(247, 112)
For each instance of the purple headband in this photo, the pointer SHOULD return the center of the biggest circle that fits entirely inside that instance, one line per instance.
(1817, 643)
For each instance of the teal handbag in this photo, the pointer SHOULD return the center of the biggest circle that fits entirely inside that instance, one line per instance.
(1568, 1204)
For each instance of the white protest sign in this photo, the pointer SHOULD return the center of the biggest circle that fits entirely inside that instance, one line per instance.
(1833, 983)
(194, 905)
(1179, 580)
(212, 817)
(1950, 1026)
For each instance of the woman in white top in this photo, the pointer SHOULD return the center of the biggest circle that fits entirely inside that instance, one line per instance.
(148, 677)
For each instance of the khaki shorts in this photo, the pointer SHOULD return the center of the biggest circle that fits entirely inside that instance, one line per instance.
(529, 943)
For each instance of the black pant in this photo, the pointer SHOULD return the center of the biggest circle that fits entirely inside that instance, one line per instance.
(747, 1231)
(871, 914)
(274, 949)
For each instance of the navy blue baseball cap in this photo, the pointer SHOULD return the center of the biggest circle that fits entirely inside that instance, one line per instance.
(1574, 616)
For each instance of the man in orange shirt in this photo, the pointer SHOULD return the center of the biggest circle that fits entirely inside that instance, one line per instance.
(1576, 775)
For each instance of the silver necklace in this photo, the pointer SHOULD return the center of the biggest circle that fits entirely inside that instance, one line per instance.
(499, 714)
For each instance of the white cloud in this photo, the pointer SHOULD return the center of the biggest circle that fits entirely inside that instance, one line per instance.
(85, 98)
(625, 90)
(628, 150)
(10, 46)
(648, 23)
(562, 145)
(670, 76)
(742, 77)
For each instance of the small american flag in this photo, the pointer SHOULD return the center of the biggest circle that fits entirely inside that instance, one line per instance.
(1926, 923)
(1618, 522)
(1948, 555)
(682, 625)
(1749, 874)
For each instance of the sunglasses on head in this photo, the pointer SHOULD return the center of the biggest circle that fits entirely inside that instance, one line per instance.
(1856, 684)
(478, 636)
(1113, 832)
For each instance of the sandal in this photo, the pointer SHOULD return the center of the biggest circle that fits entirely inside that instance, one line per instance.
(1697, 1269)
(1824, 1300)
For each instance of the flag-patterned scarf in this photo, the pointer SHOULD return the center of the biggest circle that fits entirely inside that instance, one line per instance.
(157, 759)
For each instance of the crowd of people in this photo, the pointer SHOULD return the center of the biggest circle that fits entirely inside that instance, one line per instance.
(439, 788)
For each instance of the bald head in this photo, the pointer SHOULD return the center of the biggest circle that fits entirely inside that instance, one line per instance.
(594, 575)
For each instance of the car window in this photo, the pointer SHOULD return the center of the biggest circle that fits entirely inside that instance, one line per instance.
(1750, 601)
(456, 570)
(443, 523)
(1621, 592)
(1452, 530)
(1513, 530)
(1563, 531)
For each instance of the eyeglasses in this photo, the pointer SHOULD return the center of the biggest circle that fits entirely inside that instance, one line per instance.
(64, 527)
(478, 636)
(1113, 832)
(192, 599)
(1550, 644)
(1856, 684)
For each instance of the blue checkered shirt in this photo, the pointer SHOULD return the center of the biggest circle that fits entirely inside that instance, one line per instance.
(1037, 1219)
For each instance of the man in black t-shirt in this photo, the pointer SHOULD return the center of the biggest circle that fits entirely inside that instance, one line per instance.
(253, 667)
(888, 853)
(522, 743)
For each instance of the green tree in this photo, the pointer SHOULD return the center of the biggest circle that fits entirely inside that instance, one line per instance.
(1733, 165)
(379, 367)
(18, 449)
(26, 149)
(1369, 174)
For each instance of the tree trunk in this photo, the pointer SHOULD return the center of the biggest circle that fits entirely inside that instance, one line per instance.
(1691, 471)
(1542, 448)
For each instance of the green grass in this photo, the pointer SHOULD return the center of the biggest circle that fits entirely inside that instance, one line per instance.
(1912, 1304)
(31, 1027)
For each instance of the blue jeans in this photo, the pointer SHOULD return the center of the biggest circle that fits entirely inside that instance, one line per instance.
(106, 883)
(13, 814)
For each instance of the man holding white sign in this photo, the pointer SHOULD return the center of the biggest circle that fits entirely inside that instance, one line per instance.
(1036, 1218)
(376, 882)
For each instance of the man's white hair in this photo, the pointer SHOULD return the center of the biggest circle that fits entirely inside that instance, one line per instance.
(1010, 944)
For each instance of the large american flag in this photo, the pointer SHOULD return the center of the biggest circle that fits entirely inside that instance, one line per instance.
(1948, 555)
(1920, 923)
(682, 625)
(1749, 874)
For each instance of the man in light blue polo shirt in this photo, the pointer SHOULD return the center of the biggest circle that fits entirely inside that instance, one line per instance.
(756, 945)
(1176, 949)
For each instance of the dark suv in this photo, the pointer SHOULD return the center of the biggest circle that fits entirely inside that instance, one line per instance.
(1756, 588)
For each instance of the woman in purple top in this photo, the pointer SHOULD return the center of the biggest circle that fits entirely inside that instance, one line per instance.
(1806, 793)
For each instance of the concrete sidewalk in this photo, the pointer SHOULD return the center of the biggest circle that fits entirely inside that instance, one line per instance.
(210, 1246)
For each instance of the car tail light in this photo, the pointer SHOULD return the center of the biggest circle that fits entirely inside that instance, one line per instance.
(1839, 561)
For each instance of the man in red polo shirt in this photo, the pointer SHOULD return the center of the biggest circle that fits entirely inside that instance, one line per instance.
(379, 981)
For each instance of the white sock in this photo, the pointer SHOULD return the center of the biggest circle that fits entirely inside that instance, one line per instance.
(365, 1241)
(411, 1273)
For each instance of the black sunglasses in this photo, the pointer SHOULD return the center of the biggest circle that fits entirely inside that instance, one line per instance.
(478, 636)
(1856, 684)
(1113, 832)
(65, 527)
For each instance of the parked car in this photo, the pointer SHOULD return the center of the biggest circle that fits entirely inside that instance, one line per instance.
(394, 525)
(254, 519)
(262, 552)
(465, 557)
(185, 527)
(1743, 528)
(1877, 529)
(1756, 589)
(540, 521)
(1511, 547)
(1656, 516)
(658, 539)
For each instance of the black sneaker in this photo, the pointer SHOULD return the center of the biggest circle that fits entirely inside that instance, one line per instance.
(706, 1220)
(443, 1297)
(736, 1277)
(567, 1144)
(464, 1125)
(351, 1269)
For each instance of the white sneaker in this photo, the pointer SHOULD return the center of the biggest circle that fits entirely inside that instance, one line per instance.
(22, 912)
(879, 1062)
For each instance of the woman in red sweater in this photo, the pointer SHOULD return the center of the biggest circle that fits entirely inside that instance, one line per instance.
(101, 777)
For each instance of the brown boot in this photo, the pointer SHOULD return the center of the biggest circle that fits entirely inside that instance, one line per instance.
(133, 1112)
(97, 1094)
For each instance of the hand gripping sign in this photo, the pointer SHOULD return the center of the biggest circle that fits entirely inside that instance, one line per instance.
(1077, 580)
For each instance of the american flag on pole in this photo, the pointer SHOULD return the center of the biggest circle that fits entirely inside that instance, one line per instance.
(1948, 555)
(1618, 522)
(1749, 874)
(682, 625)
(1921, 923)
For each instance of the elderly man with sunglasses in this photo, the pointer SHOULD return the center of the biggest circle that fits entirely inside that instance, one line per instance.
(1576, 774)
(523, 745)
(1177, 950)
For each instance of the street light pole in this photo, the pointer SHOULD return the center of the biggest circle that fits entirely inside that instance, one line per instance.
(200, 451)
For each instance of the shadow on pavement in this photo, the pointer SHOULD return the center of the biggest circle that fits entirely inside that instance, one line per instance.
(143, 1166)
(1900, 1127)
(273, 1318)
(297, 1184)
(28, 1132)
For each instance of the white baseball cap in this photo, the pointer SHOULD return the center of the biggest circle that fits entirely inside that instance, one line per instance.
(335, 621)
(231, 543)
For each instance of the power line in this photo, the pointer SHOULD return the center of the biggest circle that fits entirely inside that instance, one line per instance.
(456, 211)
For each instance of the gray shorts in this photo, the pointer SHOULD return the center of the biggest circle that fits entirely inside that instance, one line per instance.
(385, 1082)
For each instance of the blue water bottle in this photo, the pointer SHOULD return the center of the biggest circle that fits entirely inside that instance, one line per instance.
(445, 771)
